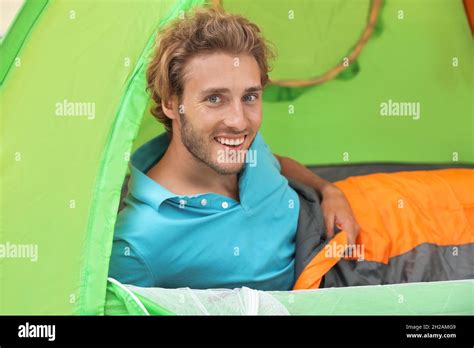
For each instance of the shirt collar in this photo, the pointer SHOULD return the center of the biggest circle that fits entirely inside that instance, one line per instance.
(142, 187)
(145, 189)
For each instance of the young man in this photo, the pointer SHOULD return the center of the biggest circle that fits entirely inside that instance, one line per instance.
(199, 213)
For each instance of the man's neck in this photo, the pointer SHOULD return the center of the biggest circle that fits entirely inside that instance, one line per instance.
(181, 173)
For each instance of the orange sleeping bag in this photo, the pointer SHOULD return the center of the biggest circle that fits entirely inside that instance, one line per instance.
(415, 226)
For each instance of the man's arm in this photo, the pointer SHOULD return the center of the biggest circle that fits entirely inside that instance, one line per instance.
(335, 207)
(294, 170)
(128, 267)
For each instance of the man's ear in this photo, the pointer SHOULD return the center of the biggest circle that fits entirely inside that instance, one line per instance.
(170, 108)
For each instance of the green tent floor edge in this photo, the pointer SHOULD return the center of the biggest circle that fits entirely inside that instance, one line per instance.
(121, 300)
(452, 297)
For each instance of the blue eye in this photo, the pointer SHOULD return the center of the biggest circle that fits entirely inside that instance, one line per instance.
(250, 97)
(214, 99)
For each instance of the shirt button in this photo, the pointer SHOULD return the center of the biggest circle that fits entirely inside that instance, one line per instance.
(225, 205)
(203, 202)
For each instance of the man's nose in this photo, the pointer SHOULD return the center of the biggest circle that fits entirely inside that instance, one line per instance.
(236, 118)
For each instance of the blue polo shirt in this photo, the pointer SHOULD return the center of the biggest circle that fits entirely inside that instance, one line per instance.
(207, 240)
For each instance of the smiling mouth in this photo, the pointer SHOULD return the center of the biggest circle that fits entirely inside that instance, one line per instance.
(231, 143)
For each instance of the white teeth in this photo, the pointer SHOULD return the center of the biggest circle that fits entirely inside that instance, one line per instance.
(231, 142)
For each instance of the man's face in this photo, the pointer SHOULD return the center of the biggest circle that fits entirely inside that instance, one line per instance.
(221, 109)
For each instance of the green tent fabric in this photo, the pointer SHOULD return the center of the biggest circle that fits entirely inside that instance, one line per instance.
(431, 298)
(61, 175)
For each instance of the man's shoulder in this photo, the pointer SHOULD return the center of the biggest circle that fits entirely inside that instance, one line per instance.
(264, 152)
(135, 217)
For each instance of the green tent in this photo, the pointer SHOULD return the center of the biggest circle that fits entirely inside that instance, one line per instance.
(61, 175)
